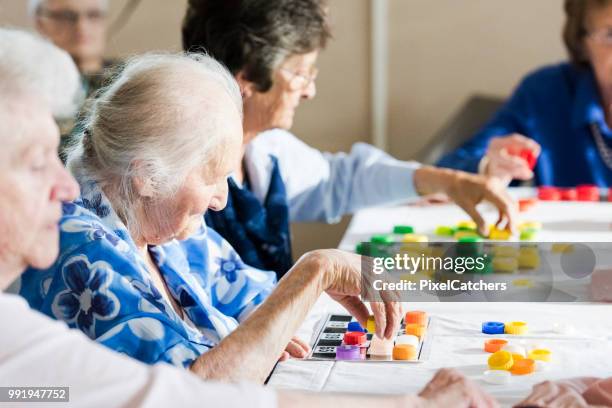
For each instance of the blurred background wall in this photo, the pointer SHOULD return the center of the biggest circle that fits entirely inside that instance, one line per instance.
(440, 53)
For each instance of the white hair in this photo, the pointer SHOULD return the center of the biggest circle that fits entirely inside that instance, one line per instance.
(159, 119)
(34, 6)
(31, 63)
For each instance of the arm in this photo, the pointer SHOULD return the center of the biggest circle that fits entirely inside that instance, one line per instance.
(324, 186)
(249, 353)
(510, 119)
(36, 351)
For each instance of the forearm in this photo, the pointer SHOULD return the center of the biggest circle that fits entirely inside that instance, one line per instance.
(431, 180)
(250, 352)
(302, 399)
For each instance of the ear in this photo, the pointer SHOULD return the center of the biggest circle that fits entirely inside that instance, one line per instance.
(142, 183)
(247, 88)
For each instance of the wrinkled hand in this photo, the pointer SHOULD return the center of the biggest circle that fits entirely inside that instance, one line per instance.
(561, 394)
(503, 159)
(468, 190)
(342, 280)
(296, 348)
(449, 388)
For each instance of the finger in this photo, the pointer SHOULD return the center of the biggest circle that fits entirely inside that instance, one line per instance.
(470, 209)
(505, 204)
(295, 350)
(357, 309)
(305, 346)
(513, 165)
(380, 317)
(284, 356)
(394, 317)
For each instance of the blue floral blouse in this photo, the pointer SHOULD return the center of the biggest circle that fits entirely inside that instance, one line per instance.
(101, 286)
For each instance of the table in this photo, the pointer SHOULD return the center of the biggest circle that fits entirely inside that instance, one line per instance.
(456, 338)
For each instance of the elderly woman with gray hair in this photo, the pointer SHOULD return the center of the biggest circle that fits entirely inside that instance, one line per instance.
(32, 186)
(271, 47)
(138, 270)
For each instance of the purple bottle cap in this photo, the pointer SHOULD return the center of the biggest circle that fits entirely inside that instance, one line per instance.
(348, 353)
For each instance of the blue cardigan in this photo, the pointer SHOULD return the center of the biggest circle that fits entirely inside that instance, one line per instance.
(555, 106)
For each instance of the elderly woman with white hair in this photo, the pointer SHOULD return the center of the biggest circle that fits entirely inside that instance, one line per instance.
(30, 201)
(138, 270)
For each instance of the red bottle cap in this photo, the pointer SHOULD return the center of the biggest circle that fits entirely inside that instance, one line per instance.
(569, 194)
(587, 192)
(548, 193)
(529, 157)
(354, 338)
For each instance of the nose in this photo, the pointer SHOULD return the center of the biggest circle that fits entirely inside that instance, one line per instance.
(65, 187)
(310, 91)
(219, 198)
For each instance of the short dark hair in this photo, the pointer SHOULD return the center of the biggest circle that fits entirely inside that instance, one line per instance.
(254, 36)
(574, 30)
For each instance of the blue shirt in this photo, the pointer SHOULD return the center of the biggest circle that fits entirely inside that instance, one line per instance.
(100, 285)
(555, 106)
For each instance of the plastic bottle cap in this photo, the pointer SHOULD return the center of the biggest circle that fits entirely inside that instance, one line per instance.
(540, 355)
(415, 329)
(382, 239)
(380, 347)
(416, 317)
(371, 325)
(493, 328)
(355, 327)
(407, 339)
(403, 229)
(516, 328)
(500, 360)
(354, 338)
(523, 367)
(404, 352)
(348, 353)
(493, 345)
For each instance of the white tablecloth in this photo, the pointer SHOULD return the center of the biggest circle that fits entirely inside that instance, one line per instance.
(456, 339)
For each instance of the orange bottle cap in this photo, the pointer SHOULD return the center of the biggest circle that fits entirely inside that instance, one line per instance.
(523, 367)
(416, 317)
(493, 345)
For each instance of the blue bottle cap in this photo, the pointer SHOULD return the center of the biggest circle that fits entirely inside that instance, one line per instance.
(493, 328)
(355, 327)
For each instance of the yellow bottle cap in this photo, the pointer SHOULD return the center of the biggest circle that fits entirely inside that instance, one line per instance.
(540, 355)
(371, 325)
(516, 328)
(501, 360)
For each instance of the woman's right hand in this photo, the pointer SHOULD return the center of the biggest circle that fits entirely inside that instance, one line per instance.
(467, 191)
(503, 160)
(449, 388)
(342, 278)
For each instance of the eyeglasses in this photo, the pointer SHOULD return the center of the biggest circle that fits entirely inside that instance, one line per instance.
(300, 81)
(601, 36)
(70, 17)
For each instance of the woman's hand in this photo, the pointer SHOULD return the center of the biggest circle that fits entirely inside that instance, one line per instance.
(467, 191)
(449, 388)
(503, 158)
(559, 394)
(296, 348)
(343, 280)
